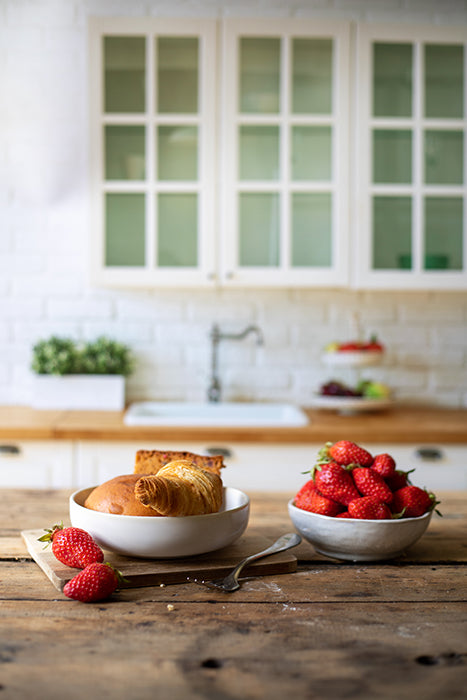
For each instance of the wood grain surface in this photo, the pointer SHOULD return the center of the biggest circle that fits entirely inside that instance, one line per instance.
(402, 424)
(328, 631)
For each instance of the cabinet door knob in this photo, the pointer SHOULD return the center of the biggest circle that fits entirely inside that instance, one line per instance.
(429, 453)
(224, 451)
(9, 450)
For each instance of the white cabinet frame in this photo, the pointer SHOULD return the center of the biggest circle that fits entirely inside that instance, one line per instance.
(150, 275)
(232, 274)
(364, 276)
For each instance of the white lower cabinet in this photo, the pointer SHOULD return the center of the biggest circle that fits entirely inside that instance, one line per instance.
(36, 464)
(276, 467)
(249, 466)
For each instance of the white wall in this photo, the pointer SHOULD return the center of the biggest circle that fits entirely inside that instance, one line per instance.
(44, 224)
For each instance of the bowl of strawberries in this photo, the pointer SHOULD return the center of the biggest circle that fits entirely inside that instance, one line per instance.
(359, 507)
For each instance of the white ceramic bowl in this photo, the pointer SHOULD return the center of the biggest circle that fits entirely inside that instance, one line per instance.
(358, 540)
(164, 537)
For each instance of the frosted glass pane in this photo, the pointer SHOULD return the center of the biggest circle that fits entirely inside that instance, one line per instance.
(444, 81)
(259, 229)
(311, 230)
(177, 230)
(124, 229)
(392, 233)
(259, 74)
(392, 156)
(177, 75)
(392, 80)
(311, 153)
(312, 76)
(259, 152)
(124, 152)
(124, 74)
(177, 153)
(444, 161)
(443, 233)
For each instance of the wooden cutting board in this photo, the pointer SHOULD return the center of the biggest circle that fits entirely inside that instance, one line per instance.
(153, 572)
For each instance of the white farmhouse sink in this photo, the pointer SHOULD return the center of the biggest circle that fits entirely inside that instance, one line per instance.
(215, 414)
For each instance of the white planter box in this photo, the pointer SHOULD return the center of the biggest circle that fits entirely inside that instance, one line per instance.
(104, 392)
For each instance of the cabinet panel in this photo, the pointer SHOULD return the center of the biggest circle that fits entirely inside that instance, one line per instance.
(284, 199)
(411, 225)
(275, 467)
(36, 464)
(153, 132)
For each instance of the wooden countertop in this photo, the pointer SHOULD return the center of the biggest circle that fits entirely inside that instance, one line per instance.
(402, 425)
(330, 630)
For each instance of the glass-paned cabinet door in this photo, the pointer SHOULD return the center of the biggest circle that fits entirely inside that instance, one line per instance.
(410, 163)
(284, 209)
(153, 107)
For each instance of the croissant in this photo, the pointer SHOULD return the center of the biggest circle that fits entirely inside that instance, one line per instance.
(180, 488)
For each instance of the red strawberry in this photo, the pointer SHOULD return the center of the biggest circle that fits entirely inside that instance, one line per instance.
(96, 582)
(370, 483)
(344, 514)
(384, 464)
(315, 502)
(412, 501)
(73, 546)
(346, 452)
(335, 482)
(398, 480)
(306, 489)
(369, 508)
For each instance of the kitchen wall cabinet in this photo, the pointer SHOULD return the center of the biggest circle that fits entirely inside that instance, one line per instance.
(228, 154)
(245, 185)
(153, 133)
(37, 464)
(411, 172)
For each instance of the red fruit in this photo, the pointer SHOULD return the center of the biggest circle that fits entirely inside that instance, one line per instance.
(370, 483)
(315, 502)
(373, 345)
(369, 508)
(351, 346)
(73, 546)
(384, 464)
(346, 452)
(412, 501)
(398, 480)
(335, 483)
(344, 514)
(96, 582)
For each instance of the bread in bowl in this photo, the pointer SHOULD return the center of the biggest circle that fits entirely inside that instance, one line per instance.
(117, 496)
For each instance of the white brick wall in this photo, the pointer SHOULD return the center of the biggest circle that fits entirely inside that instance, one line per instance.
(44, 225)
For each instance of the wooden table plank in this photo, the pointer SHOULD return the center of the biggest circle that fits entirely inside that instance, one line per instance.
(326, 651)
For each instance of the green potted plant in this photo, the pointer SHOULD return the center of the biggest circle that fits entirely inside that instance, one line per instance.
(71, 375)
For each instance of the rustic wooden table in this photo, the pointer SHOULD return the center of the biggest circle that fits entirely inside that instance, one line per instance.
(330, 630)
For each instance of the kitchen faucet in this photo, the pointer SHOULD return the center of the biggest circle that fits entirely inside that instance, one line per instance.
(214, 390)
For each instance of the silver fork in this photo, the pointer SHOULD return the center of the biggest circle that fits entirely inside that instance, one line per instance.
(230, 582)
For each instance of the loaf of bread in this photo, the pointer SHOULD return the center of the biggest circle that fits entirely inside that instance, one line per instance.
(150, 461)
(117, 496)
(181, 488)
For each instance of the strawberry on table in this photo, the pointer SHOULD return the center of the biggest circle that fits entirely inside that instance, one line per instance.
(334, 482)
(370, 483)
(346, 452)
(384, 464)
(412, 501)
(96, 582)
(369, 508)
(73, 546)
